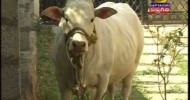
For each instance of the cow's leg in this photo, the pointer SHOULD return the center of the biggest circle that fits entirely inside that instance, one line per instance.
(101, 87)
(66, 94)
(111, 91)
(126, 89)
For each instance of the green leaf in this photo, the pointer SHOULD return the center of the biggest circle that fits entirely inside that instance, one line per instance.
(163, 63)
(157, 29)
(155, 60)
(166, 46)
(180, 33)
(162, 56)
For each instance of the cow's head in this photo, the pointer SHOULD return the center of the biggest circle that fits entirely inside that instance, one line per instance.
(80, 15)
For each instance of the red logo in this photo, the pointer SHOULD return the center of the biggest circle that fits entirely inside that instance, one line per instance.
(159, 8)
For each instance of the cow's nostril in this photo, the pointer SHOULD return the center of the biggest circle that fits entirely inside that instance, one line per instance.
(83, 44)
(78, 44)
(74, 44)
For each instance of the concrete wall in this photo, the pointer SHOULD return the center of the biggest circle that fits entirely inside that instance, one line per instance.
(10, 71)
(18, 53)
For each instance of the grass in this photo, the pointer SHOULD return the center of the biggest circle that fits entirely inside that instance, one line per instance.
(147, 72)
(182, 64)
(183, 68)
(175, 89)
(48, 86)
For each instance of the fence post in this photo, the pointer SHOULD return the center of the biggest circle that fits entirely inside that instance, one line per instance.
(144, 14)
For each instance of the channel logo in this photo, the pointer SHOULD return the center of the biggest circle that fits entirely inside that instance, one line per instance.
(160, 1)
(159, 7)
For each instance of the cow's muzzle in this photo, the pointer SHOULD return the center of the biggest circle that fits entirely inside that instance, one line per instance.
(75, 55)
(91, 39)
(78, 48)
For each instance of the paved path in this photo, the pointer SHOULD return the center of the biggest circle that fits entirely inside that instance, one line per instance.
(177, 84)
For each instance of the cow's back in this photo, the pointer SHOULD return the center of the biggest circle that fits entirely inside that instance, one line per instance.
(122, 36)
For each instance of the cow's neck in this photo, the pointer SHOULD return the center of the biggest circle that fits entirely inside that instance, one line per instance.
(94, 50)
(91, 55)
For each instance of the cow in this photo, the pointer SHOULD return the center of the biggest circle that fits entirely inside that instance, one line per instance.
(104, 43)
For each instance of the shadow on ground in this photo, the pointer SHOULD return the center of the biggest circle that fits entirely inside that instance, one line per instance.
(137, 94)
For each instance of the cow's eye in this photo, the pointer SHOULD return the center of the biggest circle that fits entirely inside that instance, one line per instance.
(92, 20)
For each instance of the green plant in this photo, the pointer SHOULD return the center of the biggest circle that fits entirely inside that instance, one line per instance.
(138, 91)
(180, 99)
(147, 72)
(48, 86)
(167, 44)
(183, 68)
(175, 89)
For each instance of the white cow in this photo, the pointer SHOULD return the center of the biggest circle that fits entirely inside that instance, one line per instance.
(113, 58)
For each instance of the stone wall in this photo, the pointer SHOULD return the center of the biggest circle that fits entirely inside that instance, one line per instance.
(18, 53)
(10, 71)
(29, 89)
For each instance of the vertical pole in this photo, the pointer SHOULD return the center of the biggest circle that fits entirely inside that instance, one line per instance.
(144, 14)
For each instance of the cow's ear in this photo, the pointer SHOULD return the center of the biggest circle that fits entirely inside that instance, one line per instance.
(104, 12)
(52, 14)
